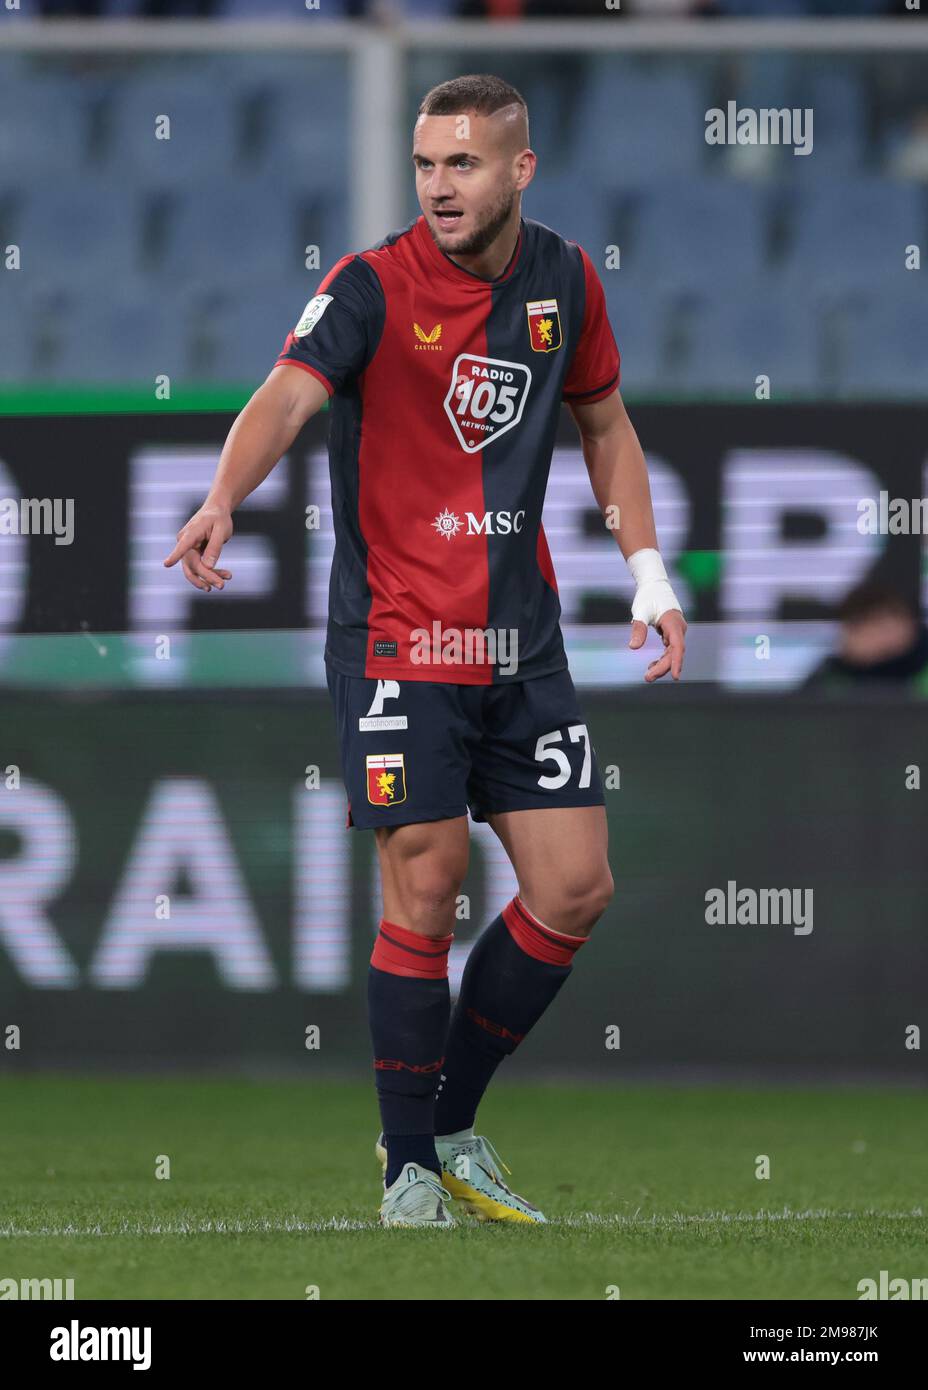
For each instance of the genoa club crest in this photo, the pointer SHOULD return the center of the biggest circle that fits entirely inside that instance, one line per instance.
(544, 325)
(386, 779)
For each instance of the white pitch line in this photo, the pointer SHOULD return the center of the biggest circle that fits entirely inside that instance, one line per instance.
(581, 1220)
(195, 1228)
(687, 1219)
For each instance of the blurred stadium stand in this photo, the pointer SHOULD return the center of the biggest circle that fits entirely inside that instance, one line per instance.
(734, 261)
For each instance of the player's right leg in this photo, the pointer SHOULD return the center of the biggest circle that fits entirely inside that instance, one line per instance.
(405, 759)
(422, 868)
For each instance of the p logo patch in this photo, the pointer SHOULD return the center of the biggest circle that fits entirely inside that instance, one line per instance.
(386, 779)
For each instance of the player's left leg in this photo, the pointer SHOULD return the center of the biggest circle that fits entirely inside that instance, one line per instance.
(561, 858)
(513, 974)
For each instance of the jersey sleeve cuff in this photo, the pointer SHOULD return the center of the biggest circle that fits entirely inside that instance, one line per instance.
(313, 371)
(588, 397)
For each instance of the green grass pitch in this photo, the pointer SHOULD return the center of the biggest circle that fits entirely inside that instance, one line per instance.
(273, 1190)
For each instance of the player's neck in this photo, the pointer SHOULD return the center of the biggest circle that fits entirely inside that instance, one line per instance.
(491, 263)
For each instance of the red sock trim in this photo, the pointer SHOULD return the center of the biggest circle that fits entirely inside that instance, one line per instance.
(537, 940)
(400, 951)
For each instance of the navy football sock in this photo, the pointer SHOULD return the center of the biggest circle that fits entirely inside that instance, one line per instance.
(512, 974)
(408, 1009)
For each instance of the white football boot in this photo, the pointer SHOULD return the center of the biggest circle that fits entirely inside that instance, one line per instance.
(415, 1198)
(470, 1170)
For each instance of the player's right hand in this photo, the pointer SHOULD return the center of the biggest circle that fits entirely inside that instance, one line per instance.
(198, 547)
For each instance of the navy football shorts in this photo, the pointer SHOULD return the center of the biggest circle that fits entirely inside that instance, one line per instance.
(422, 750)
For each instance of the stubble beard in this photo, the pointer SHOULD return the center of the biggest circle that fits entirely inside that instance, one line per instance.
(483, 236)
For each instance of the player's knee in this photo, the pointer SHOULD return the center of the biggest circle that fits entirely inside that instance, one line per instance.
(430, 904)
(602, 893)
(584, 899)
(422, 876)
(595, 895)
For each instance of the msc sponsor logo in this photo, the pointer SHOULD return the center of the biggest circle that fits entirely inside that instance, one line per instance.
(495, 523)
(447, 524)
(503, 523)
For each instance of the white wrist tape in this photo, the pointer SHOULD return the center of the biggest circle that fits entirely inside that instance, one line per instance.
(654, 595)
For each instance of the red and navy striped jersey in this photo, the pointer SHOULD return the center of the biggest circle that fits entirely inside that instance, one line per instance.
(445, 393)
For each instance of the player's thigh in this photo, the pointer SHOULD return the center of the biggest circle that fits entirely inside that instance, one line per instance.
(405, 749)
(422, 868)
(535, 750)
(406, 758)
(561, 858)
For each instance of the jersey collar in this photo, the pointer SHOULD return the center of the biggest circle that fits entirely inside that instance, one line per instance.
(446, 266)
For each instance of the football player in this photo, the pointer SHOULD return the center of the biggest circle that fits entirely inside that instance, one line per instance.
(444, 354)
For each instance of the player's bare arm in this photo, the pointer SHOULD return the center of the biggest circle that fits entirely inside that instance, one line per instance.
(261, 435)
(619, 477)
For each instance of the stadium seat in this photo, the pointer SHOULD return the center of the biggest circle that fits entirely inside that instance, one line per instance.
(79, 229)
(839, 104)
(886, 352)
(282, 9)
(700, 232)
(247, 331)
(750, 330)
(204, 130)
(851, 231)
(225, 232)
(68, 329)
(17, 346)
(118, 333)
(634, 120)
(639, 317)
(431, 9)
(44, 123)
(761, 9)
(306, 141)
(562, 202)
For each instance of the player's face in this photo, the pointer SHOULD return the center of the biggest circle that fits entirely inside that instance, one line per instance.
(466, 181)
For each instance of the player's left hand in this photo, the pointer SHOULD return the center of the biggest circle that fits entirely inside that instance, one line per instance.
(672, 629)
